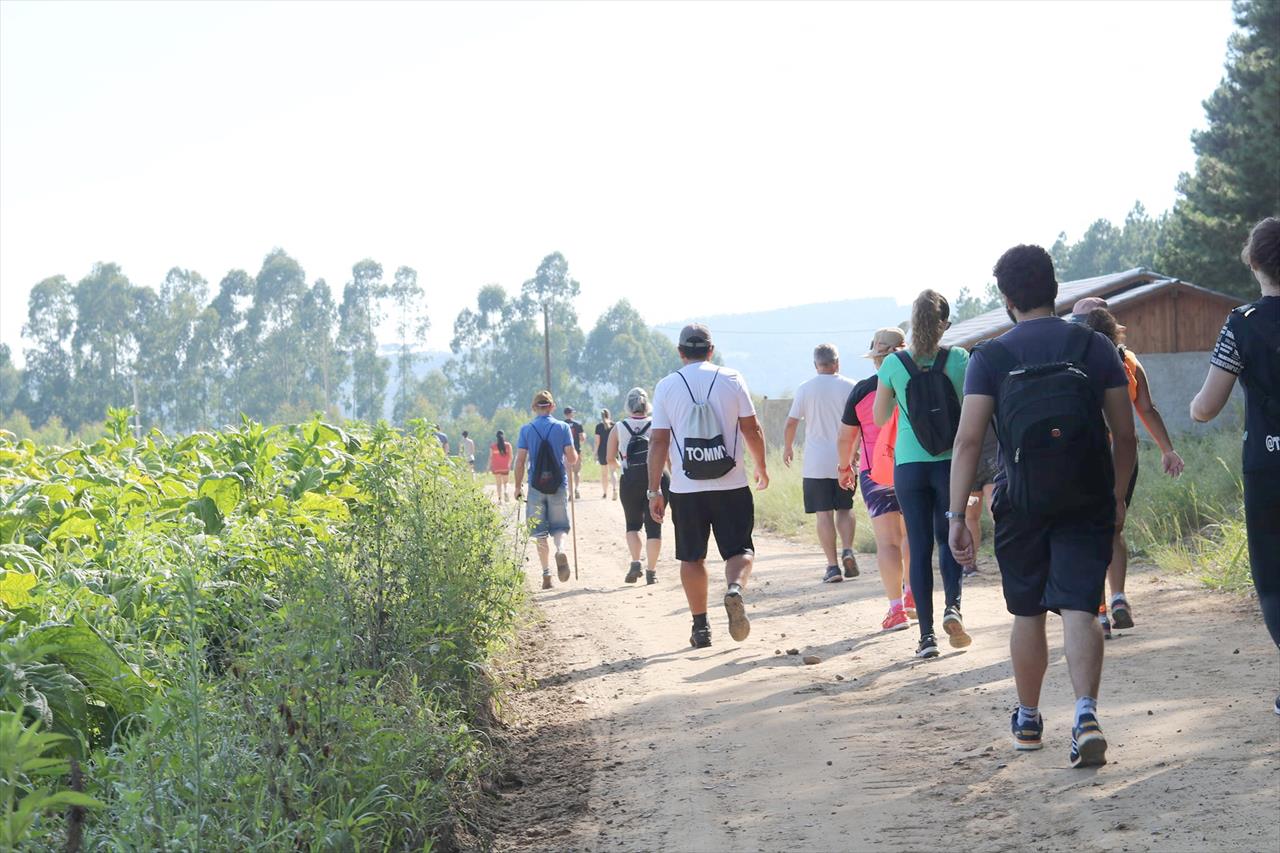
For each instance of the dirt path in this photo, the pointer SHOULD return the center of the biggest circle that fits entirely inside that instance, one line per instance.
(631, 740)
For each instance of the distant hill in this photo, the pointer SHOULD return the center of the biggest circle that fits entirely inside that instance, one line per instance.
(774, 349)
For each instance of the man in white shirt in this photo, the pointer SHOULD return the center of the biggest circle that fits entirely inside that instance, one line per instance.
(468, 450)
(709, 492)
(820, 403)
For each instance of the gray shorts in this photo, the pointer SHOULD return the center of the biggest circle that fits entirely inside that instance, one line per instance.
(547, 514)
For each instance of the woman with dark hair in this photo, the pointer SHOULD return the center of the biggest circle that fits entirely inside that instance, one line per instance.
(922, 476)
(500, 464)
(1248, 348)
(608, 468)
(1103, 321)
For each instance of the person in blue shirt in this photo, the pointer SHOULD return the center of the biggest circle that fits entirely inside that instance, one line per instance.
(548, 514)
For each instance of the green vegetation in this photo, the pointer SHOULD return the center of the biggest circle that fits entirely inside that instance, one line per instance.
(261, 638)
(1194, 524)
(780, 508)
(277, 349)
(1191, 524)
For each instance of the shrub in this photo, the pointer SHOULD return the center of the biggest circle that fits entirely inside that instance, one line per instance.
(254, 639)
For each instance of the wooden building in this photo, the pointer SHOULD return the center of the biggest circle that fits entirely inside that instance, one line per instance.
(1162, 314)
(1170, 324)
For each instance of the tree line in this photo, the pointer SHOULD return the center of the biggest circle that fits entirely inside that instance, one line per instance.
(274, 347)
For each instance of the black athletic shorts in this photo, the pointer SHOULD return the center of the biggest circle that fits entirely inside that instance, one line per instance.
(1052, 563)
(632, 494)
(731, 515)
(824, 494)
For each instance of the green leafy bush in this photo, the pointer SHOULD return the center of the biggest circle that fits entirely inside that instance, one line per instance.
(251, 639)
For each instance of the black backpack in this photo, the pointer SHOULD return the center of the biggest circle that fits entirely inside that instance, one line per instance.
(547, 474)
(932, 404)
(637, 456)
(1053, 437)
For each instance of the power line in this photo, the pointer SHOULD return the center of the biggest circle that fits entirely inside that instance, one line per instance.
(776, 332)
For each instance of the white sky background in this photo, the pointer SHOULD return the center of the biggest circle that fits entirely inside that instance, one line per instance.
(694, 158)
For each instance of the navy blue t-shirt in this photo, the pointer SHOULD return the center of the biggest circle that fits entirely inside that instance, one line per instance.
(1044, 341)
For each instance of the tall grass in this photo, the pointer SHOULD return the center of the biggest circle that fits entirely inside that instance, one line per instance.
(1208, 493)
(780, 508)
(1191, 524)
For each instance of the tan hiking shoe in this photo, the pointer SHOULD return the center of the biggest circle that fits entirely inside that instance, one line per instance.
(546, 581)
(562, 566)
(739, 625)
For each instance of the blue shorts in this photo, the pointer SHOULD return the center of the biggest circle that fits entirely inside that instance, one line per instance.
(880, 500)
(547, 513)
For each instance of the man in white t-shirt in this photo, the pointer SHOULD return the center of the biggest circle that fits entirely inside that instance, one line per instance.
(709, 492)
(468, 449)
(820, 402)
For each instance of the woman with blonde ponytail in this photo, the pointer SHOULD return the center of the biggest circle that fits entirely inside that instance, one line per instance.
(922, 457)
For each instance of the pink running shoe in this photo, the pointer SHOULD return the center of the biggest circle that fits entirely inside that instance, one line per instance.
(896, 620)
(909, 603)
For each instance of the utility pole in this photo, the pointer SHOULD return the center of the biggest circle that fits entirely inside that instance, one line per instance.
(546, 343)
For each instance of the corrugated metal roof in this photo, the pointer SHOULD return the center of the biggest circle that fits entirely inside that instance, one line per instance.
(997, 322)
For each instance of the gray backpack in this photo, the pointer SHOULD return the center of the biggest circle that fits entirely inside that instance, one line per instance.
(704, 455)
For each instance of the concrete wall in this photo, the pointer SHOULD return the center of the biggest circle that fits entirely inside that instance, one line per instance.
(1175, 378)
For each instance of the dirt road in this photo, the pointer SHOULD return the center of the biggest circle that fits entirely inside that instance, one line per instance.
(630, 740)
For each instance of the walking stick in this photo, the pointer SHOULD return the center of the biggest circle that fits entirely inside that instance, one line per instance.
(573, 531)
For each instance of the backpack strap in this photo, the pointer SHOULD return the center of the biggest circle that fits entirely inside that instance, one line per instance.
(690, 390)
(940, 360)
(998, 357)
(913, 369)
(628, 429)
(1078, 340)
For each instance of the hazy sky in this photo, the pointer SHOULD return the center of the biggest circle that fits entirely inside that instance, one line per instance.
(696, 158)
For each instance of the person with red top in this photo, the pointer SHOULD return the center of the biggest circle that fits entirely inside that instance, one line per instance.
(500, 464)
(858, 427)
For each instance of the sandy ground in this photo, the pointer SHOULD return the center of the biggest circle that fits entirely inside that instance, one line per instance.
(627, 739)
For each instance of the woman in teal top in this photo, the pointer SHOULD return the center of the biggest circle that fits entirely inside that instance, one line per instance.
(922, 480)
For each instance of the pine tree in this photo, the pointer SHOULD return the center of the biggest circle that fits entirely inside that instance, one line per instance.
(1237, 173)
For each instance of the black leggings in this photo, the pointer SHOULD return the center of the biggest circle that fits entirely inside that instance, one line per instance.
(924, 492)
(635, 504)
(1262, 519)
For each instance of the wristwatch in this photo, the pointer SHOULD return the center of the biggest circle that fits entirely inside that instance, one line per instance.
(651, 495)
(953, 516)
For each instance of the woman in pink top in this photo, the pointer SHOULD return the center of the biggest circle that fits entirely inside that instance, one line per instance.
(858, 426)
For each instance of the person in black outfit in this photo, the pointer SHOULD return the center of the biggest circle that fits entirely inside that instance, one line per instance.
(608, 466)
(575, 472)
(1248, 349)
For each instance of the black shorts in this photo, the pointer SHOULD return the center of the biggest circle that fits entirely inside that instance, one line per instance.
(632, 494)
(988, 470)
(1052, 563)
(731, 515)
(824, 494)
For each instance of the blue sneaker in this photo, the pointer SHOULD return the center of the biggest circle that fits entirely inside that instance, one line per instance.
(1026, 737)
(833, 575)
(1088, 744)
